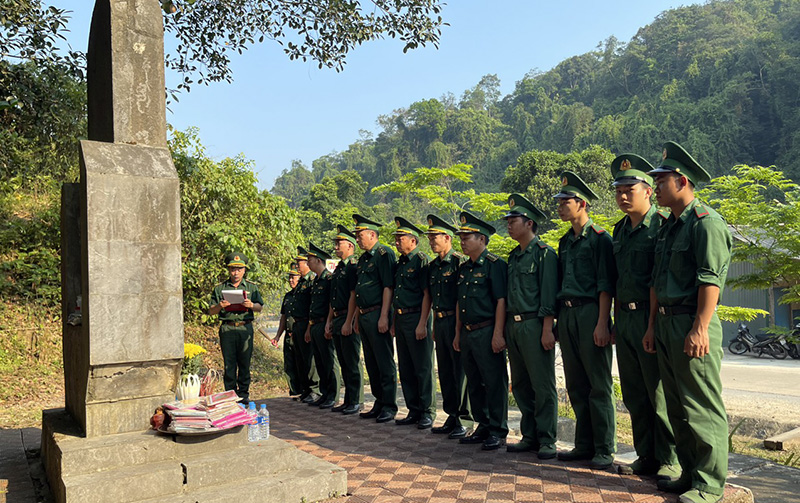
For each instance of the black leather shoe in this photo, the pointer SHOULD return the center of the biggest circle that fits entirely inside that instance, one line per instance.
(351, 409)
(444, 429)
(327, 404)
(384, 417)
(371, 414)
(491, 443)
(458, 432)
(409, 419)
(521, 447)
(475, 438)
(319, 401)
(575, 455)
(424, 423)
(338, 408)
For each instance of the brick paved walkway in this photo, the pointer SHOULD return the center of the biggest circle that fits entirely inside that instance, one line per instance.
(388, 463)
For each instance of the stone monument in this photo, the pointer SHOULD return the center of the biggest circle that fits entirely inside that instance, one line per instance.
(121, 267)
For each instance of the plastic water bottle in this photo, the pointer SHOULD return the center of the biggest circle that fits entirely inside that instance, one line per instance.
(253, 434)
(263, 418)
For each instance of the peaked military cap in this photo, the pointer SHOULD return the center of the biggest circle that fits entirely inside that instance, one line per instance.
(342, 234)
(630, 169)
(316, 251)
(521, 207)
(405, 227)
(438, 226)
(235, 259)
(674, 159)
(293, 271)
(363, 223)
(470, 223)
(572, 186)
(302, 254)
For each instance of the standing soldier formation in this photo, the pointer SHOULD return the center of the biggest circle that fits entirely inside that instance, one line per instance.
(662, 275)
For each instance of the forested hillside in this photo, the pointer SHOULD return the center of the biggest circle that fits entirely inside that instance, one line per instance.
(721, 79)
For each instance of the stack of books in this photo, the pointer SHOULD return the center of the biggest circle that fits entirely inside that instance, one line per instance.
(219, 411)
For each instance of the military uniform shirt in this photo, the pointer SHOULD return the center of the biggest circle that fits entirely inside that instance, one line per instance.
(320, 296)
(375, 272)
(480, 285)
(634, 254)
(302, 297)
(252, 293)
(586, 263)
(691, 250)
(443, 280)
(411, 279)
(533, 279)
(286, 305)
(343, 281)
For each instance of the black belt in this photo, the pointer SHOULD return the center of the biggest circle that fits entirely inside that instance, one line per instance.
(475, 326)
(237, 323)
(578, 301)
(365, 310)
(336, 313)
(676, 310)
(522, 316)
(408, 310)
(301, 320)
(316, 320)
(634, 306)
(443, 314)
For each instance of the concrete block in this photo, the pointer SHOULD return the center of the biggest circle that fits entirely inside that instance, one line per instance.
(126, 381)
(108, 418)
(126, 484)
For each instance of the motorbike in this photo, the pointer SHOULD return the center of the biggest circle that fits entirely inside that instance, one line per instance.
(774, 345)
(794, 347)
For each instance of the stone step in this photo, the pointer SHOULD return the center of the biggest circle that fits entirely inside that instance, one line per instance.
(313, 480)
(125, 485)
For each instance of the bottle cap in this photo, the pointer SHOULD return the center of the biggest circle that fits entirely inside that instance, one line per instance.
(263, 406)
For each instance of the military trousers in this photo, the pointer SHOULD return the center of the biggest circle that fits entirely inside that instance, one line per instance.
(327, 365)
(290, 366)
(236, 344)
(693, 392)
(455, 402)
(415, 363)
(379, 360)
(304, 358)
(533, 381)
(587, 369)
(348, 351)
(642, 390)
(487, 381)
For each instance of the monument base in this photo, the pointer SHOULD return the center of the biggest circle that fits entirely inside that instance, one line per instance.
(146, 466)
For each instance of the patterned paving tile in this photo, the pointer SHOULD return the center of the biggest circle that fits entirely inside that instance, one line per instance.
(390, 464)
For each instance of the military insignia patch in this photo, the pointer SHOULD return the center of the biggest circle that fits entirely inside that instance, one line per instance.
(430, 221)
(397, 221)
(564, 181)
(625, 166)
(478, 275)
(463, 219)
(236, 258)
(511, 202)
(448, 273)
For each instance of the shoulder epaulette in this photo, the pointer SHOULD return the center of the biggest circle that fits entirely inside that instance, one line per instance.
(701, 211)
(598, 229)
(492, 257)
(382, 250)
(542, 244)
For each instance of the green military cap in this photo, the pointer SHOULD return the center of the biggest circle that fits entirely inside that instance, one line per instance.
(630, 169)
(342, 234)
(316, 251)
(404, 227)
(363, 223)
(572, 186)
(235, 259)
(521, 207)
(302, 254)
(438, 226)
(293, 271)
(470, 223)
(674, 159)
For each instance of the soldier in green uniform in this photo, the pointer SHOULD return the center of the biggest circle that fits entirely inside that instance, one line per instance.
(634, 251)
(304, 353)
(531, 306)
(374, 292)
(480, 323)
(322, 343)
(412, 327)
(587, 273)
(236, 330)
(692, 256)
(443, 287)
(286, 324)
(341, 317)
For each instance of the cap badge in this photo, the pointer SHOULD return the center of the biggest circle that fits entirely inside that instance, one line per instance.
(664, 154)
(397, 221)
(564, 182)
(236, 258)
(626, 165)
(463, 219)
(430, 221)
(511, 202)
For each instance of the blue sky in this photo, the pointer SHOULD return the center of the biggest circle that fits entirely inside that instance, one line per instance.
(277, 110)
